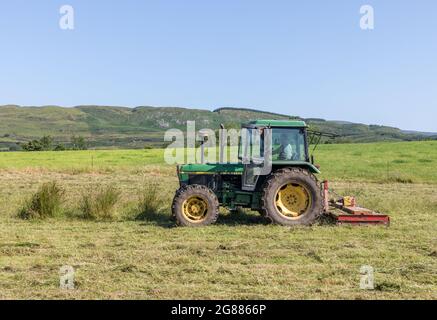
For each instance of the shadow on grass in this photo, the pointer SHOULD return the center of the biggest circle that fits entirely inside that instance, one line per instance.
(244, 218)
(156, 218)
(327, 219)
(231, 219)
(240, 217)
(235, 218)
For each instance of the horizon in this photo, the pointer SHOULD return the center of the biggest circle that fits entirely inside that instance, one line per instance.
(213, 109)
(240, 54)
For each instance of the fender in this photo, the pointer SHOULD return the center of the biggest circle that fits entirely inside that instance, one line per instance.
(301, 164)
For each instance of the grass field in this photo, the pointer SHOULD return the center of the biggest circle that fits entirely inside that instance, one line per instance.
(239, 257)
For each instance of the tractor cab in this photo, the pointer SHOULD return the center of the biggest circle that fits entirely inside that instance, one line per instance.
(266, 145)
(288, 139)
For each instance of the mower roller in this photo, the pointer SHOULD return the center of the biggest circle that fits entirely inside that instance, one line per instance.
(275, 175)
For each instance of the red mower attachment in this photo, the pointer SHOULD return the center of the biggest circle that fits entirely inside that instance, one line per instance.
(346, 211)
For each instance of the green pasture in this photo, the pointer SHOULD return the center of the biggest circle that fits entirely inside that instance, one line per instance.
(404, 162)
(242, 256)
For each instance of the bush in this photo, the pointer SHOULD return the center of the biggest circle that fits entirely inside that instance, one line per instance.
(100, 204)
(78, 143)
(33, 145)
(150, 202)
(59, 147)
(43, 144)
(45, 202)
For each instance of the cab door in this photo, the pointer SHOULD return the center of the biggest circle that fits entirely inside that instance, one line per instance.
(256, 155)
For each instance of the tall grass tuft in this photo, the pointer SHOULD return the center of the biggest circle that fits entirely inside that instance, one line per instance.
(45, 202)
(150, 202)
(100, 204)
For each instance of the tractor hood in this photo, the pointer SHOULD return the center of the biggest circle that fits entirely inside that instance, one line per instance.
(236, 168)
(212, 168)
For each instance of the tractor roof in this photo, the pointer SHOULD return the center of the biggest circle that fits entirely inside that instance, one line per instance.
(279, 123)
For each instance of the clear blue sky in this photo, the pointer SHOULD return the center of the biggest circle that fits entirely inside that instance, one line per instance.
(307, 58)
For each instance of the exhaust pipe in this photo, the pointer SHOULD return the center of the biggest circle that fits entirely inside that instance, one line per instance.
(222, 141)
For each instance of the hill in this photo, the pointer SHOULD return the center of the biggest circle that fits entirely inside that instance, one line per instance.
(107, 126)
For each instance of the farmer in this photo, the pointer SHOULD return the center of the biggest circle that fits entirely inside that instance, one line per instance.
(285, 150)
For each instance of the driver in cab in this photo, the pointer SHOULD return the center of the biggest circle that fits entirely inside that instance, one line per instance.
(285, 150)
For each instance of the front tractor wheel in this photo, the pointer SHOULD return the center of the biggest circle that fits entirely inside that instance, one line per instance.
(292, 197)
(195, 205)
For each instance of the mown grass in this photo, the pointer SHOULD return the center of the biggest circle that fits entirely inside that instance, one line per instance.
(239, 257)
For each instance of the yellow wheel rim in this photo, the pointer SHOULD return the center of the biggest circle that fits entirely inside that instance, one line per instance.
(195, 208)
(292, 200)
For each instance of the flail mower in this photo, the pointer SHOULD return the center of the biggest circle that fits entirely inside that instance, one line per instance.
(279, 181)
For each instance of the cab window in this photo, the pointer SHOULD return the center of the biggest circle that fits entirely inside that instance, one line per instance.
(288, 145)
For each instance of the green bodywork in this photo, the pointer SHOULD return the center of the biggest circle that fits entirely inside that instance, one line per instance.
(213, 168)
(279, 123)
(234, 168)
(225, 179)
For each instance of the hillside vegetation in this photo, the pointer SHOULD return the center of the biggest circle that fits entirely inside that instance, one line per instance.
(105, 126)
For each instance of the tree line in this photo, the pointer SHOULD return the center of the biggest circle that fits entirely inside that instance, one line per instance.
(47, 143)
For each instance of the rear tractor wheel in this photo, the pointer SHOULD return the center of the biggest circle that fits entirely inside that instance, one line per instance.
(195, 205)
(292, 197)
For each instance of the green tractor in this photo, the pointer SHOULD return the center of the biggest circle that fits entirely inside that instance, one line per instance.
(285, 191)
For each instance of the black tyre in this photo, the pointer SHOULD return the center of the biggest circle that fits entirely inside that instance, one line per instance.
(195, 206)
(292, 196)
